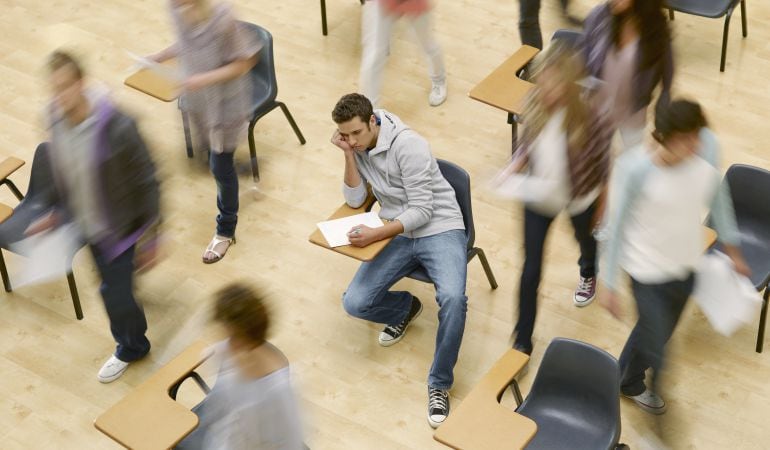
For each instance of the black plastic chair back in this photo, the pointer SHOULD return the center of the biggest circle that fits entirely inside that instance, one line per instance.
(570, 38)
(36, 201)
(460, 181)
(575, 396)
(750, 190)
(264, 83)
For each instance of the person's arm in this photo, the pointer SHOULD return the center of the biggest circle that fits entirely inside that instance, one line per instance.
(722, 210)
(415, 160)
(353, 186)
(227, 72)
(167, 53)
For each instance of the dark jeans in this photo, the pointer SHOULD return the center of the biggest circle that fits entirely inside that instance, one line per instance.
(223, 168)
(529, 23)
(127, 321)
(659, 306)
(535, 232)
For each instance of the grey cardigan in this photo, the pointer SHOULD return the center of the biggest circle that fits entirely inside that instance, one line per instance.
(406, 181)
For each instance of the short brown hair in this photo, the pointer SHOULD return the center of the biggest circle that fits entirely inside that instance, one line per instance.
(350, 106)
(59, 59)
(242, 310)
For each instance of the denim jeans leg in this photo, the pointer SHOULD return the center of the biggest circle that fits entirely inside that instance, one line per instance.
(223, 168)
(535, 231)
(444, 257)
(127, 321)
(529, 23)
(583, 225)
(660, 306)
(367, 296)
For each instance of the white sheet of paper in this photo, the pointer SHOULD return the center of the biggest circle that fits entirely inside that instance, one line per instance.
(164, 71)
(336, 231)
(522, 187)
(727, 299)
(48, 255)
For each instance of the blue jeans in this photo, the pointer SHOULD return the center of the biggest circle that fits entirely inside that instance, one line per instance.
(445, 259)
(223, 168)
(535, 232)
(659, 306)
(127, 321)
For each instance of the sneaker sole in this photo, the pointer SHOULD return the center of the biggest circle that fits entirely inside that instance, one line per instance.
(647, 408)
(112, 378)
(398, 339)
(583, 303)
(435, 425)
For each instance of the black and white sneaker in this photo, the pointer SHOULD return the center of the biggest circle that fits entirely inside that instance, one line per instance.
(391, 334)
(438, 406)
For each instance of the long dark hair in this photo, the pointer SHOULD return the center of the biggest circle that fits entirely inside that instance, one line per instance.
(655, 34)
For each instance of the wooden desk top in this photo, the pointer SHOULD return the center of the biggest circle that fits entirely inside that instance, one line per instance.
(480, 422)
(502, 88)
(148, 418)
(5, 212)
(367, 253)
(709, 237)
(9, 165)
(154, 84)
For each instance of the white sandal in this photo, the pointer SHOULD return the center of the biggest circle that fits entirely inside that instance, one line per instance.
(216, 240)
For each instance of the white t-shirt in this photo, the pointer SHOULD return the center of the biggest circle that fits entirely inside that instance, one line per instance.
(549, 161)
(663, 237)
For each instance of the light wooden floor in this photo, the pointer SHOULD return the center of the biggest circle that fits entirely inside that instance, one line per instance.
(355, 394)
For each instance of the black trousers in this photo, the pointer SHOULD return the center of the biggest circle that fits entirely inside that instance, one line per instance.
(535, 232)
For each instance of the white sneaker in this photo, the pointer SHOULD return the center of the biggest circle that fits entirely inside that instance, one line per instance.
(112, 370)
(437, 94)
(649, 401)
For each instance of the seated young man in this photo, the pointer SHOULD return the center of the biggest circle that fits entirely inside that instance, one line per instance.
(420, 209)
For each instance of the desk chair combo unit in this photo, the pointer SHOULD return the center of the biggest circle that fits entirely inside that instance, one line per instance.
(264, 93)
(29, 208)
(574, 403)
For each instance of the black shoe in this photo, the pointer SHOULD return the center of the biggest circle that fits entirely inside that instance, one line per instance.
(438, 406)
(391, 334)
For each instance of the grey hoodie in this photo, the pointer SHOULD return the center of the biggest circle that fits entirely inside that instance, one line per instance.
(406, 180)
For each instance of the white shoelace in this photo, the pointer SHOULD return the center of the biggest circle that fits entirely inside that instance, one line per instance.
(437, 399)
(585, 286)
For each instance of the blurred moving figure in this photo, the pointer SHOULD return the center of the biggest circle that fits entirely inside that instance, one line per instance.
(252, 405)
(658, 195)
(379, 17)
(627, 45)
(105, 184)
(216, 56)
(566, 145)
(529, 21)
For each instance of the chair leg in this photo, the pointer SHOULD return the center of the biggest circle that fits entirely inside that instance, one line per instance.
(253, 152)
(292, 122)
(74, 294)
(4, 273)
(487, 269)
(323, 18)
(187, 134)
(516, 393)
(670, 14)
(724, 39)
(743, 18)
(762, 320)
(512, 119)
